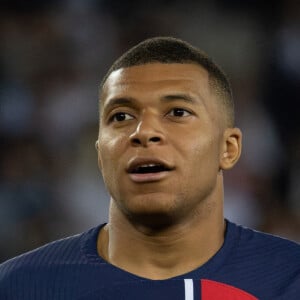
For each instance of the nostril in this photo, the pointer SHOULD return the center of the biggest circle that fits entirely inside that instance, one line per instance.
(155, 139)
(136, 141)
(144, 140)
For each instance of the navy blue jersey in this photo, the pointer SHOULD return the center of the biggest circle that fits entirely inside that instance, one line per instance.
(250, 265)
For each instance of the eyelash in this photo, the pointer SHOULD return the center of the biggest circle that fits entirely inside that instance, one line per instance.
(114, 117)
(182, 110)
(172, 113)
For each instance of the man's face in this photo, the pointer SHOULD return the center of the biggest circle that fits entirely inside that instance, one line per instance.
(161, 140)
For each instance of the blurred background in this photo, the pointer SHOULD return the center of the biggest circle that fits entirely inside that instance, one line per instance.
(53, 55)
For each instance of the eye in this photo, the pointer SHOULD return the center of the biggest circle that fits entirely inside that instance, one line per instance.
(179, 112)
(120, 116)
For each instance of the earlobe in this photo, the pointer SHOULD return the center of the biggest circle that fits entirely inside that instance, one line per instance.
(232, 146)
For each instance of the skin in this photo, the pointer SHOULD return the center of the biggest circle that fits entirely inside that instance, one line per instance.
(164, 112)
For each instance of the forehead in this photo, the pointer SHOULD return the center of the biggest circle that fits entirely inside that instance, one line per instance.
(157, 76)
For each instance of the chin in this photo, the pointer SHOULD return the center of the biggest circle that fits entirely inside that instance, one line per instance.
(153, 210)
(154, 217)
(152, 221)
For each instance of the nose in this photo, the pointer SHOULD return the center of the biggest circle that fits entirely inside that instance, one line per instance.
(147, 132)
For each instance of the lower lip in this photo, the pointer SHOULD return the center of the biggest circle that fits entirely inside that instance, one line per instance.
(148, 177)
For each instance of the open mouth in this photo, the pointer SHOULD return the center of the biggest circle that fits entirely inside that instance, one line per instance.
(149, 168)
(145, 170)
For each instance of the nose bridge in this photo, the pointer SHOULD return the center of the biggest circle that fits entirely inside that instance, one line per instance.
(147, 122)
(148, 129)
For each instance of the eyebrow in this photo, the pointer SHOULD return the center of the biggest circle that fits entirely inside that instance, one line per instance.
(174, 97)
(130, 101)
(126, 101)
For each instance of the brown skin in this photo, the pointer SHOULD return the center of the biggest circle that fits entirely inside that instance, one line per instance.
(168, 224)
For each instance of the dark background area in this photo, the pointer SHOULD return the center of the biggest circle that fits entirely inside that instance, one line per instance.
(53, 55)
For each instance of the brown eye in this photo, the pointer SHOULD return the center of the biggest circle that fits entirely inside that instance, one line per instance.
(179, 112)
(121, 116)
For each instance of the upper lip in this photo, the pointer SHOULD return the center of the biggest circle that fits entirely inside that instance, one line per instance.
(136, 162)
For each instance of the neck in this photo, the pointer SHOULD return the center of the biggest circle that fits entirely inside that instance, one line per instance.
(165, 252)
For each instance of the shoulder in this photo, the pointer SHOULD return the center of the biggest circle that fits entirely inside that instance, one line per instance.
(265, 249)
(57, 253)
(263, 264)
(267, 241)
(63, 269)
(39, 257)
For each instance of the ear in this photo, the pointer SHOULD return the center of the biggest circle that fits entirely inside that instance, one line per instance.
(97, 145)
(231, 148)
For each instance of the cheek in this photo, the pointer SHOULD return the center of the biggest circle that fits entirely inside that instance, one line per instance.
(110, 144)
(110, 153)
(201, 169)
(203, 156)
(108, 169)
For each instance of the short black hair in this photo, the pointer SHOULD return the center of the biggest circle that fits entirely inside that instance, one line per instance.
(168, 50)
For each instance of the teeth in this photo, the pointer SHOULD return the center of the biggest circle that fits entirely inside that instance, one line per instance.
(149, 168)
(147, 165)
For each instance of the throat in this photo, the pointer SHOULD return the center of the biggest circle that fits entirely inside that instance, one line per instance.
(155, 257)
